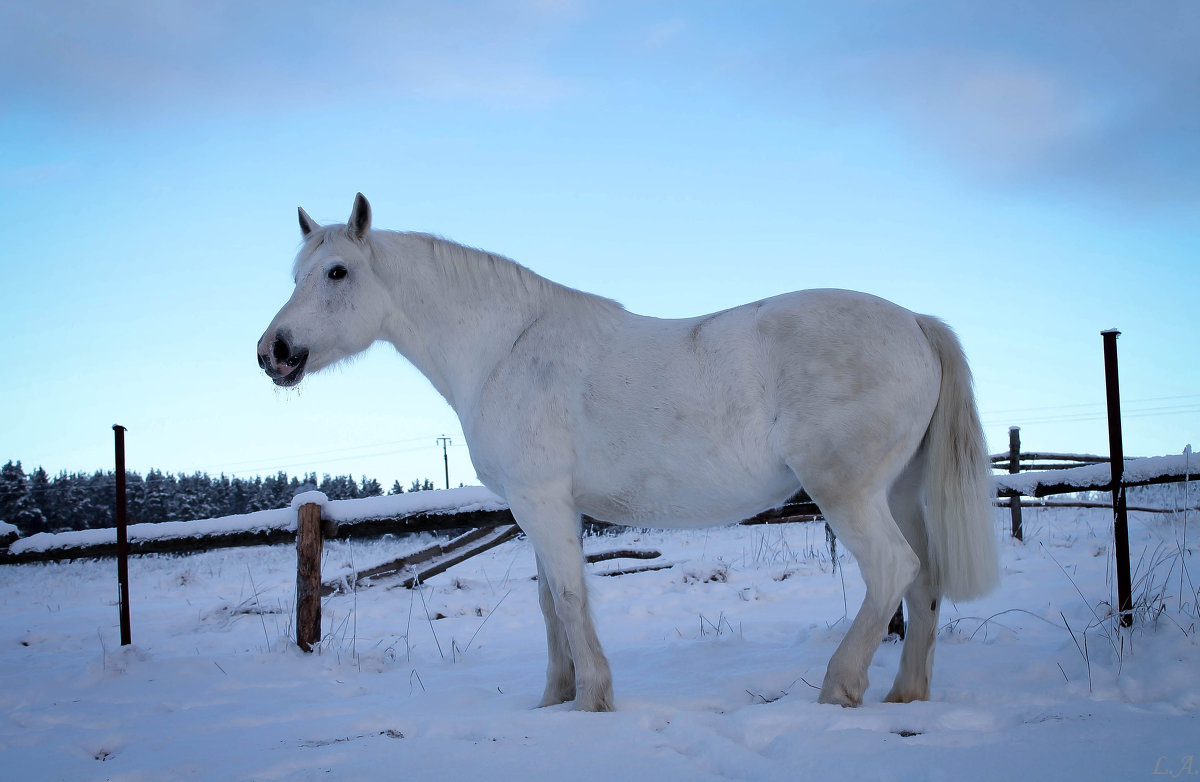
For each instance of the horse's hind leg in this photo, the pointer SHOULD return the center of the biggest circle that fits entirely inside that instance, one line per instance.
(552, 523)
(922, 598)
(865, 525)
(916, 660)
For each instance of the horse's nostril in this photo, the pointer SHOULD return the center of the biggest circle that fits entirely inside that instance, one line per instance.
(280, 350)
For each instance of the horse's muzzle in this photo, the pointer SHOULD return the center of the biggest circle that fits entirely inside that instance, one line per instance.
(282, 363)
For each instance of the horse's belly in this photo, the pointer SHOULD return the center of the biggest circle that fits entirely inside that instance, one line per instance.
(677, 492)
(674, 427)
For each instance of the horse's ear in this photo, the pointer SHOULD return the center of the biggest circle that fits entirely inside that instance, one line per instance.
(360, 217)
(307, 224)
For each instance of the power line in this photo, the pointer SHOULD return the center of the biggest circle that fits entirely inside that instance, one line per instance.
(1099, 414)
(355, 449)
(308, 462)
(1124, 404)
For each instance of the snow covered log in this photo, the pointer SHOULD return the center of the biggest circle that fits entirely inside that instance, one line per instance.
(424, 511)
(1097, 477)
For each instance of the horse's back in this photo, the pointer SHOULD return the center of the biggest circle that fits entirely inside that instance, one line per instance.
(705, 420)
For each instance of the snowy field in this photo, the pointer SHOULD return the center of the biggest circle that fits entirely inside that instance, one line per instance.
(714, 661)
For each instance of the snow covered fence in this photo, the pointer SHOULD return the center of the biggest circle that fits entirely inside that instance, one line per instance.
(475, 507)
(471, 507)
(1015, 461)
(1097, 477)
(424, 511)
(1041, 475)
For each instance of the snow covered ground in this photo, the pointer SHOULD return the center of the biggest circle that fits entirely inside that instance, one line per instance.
(713, 661)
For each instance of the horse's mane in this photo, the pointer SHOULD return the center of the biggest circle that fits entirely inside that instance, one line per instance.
(482, 272)
(474, 267)
(468, 269)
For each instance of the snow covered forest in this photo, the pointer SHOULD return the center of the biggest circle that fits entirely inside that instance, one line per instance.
(38, 502)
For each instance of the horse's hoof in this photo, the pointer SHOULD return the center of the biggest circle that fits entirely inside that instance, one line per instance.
(553, 699)
(600, 701)
(838, 695)
(898, 695)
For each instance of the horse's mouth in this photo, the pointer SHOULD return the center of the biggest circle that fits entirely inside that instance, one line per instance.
(295, 370)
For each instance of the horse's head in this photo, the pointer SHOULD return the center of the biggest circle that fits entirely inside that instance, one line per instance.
(338, 307)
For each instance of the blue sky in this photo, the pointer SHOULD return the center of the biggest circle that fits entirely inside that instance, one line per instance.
(1028, 171)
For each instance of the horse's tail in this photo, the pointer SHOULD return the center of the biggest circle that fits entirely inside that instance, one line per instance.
(958, 478)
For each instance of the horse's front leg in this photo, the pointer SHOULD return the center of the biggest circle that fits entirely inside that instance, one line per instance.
(560, 671)
(552, 523)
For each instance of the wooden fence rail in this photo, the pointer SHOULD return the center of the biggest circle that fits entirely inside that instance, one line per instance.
(1034, 460)
(188, 537)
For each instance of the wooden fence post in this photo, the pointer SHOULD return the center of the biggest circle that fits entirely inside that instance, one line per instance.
(309, 545)
(1014, 466)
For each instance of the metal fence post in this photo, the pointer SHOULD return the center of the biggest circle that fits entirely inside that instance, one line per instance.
(122, 538)
(1116, 453)
(1014, 466)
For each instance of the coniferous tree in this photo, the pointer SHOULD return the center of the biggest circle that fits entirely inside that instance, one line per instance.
(80, 509)
(102, 487)
(308, 484)
(16, 502)
(282, 490)
(220, 492)
(341, 487)
(238, 500)
(83, 500)
(135, 497)
(39, 492)
(157, 500)
(12, 488)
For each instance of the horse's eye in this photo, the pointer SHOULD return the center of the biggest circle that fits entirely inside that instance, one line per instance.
(337, 272)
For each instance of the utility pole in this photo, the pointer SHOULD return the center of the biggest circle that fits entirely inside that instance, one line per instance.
(444, 440)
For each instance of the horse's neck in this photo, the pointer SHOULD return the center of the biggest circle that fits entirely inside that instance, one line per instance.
(461, 310)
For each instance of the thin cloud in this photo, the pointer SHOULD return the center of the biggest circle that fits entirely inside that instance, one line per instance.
(197, 57)
(1100, 94)
(1083, 93)
(1093, 94)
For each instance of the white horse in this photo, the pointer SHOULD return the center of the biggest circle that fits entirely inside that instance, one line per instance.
(572, 405)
